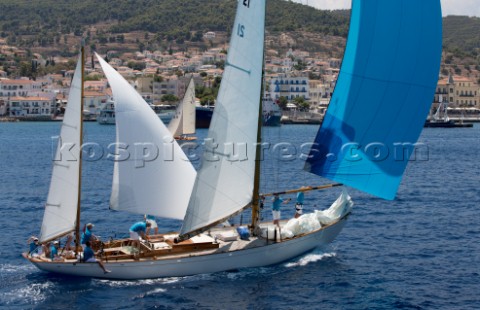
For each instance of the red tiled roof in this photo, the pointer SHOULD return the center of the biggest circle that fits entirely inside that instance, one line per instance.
(16, 82)
(29, 99)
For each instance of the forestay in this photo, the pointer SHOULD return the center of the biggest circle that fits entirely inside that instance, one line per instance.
(383, 94)
(224, 184)
(152, 174)
(183, 123)
(61, 208)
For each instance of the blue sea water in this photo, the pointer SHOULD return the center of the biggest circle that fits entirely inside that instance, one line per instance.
(420, 251)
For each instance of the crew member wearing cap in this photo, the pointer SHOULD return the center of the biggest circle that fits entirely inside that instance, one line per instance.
(34, 246)
(87, 234)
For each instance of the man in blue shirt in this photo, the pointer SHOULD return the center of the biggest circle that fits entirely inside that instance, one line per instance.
(89, 257)
(34, 247)
(138, 232)
(153, 223)
(87, 234)
(299, 204)
(54, 252)
(277, 201)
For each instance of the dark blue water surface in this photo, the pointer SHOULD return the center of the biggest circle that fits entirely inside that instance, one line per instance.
(421, 251)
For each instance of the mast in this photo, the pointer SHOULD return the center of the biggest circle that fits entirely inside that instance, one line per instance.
(256, 177)
(79, 198)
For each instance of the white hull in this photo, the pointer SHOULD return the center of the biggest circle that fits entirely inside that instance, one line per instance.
(106, 118)
(221, 260)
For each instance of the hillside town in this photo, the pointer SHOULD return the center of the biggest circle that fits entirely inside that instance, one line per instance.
(301, 82)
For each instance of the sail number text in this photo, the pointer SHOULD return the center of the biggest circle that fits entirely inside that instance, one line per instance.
(246, 3)
(241, 30)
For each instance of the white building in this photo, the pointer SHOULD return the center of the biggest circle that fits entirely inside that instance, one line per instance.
(320, 92)
(93, 101)
(169, 86)
(209, 35)
(289, 87)
(30, 107)
(18, 88)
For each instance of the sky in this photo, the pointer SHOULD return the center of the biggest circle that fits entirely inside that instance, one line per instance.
(449, 7)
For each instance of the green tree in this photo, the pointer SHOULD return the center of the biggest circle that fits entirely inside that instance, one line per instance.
(207, 100)
(136, 65)
(300, 66)
(282, 102)
(169, 98)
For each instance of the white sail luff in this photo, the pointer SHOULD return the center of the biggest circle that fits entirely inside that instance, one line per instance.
(224, 184)
(183, 123)
(189, 109)
(60, 210)
(152, 174)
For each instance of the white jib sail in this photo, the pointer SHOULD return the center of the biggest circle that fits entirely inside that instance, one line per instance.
(152, 174)
(61, 207)
(183, 123)
(224, 184)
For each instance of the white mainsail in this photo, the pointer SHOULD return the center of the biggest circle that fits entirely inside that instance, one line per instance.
(61, 207)
(183, 123)
(224, 184)
(152, 174)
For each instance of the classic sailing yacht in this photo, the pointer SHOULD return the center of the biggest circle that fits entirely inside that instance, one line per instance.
(399, 35)
(182, 125)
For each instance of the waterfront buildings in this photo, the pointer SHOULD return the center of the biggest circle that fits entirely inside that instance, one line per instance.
(292, 74)
(30, 107)
(458, 91)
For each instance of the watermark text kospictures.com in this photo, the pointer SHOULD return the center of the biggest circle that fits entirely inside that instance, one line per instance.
(143, 152)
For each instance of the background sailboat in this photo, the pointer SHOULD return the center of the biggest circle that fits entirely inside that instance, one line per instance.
(183, 123)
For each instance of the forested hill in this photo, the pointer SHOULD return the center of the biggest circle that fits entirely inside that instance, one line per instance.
(461, 35)
(45, 22)
(167, 17)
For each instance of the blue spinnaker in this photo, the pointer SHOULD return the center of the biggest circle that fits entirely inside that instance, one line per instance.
(383, 94)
